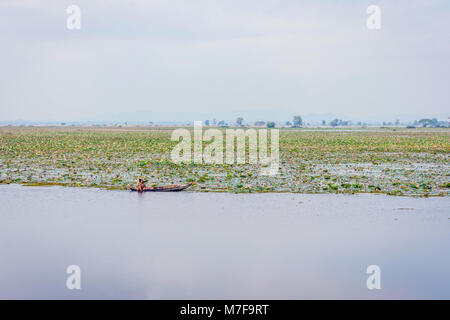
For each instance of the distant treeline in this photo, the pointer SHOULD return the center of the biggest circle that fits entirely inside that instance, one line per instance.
(297, 122)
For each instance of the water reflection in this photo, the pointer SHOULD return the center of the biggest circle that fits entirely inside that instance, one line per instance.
(219, 246)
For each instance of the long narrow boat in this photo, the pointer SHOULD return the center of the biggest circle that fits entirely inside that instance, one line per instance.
(172, 188)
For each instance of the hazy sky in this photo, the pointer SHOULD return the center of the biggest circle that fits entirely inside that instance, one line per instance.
(180, 56)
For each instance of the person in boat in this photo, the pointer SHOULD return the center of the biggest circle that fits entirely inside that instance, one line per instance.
(140, 185)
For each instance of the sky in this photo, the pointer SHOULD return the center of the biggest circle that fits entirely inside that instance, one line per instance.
(172, 60)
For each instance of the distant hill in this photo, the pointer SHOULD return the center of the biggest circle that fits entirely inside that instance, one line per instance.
(250, 116)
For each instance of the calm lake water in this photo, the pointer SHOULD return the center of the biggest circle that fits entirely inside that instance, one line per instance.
(221, 246)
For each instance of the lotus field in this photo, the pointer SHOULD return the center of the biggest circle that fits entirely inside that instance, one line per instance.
(391, 161)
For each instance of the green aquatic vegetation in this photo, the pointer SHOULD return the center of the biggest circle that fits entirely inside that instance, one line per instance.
(357, 185)
(360, 161)
(333, 186)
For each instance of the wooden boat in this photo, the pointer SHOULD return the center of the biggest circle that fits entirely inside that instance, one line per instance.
(172, 188)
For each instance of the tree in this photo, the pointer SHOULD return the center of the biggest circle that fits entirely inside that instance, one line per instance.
(239, 121)
(335, 123)
(324, 123)
(298, 121)
(259, 123)
(346, 123)
(206, 122)
(288, 123)
(270, 124)
(434, 122)
(425, 122)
